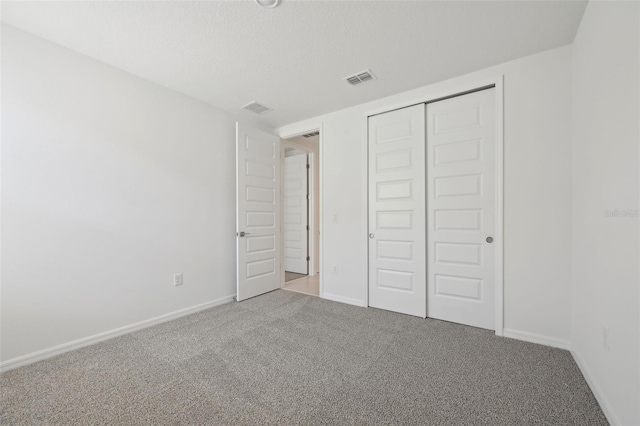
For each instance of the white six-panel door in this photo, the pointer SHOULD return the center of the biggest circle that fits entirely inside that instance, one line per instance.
(295, 214)
(397, 280)
(257, 212)
(461, 209)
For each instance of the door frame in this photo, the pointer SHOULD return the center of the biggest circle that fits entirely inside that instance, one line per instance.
(438, 94)
(314, 234)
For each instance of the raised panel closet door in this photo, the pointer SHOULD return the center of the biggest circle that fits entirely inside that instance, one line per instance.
(461, 208)
(397, 276)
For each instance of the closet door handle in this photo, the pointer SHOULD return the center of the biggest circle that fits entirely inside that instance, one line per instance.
(371, 235)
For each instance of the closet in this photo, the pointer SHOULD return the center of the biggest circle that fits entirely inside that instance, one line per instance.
(432, 209)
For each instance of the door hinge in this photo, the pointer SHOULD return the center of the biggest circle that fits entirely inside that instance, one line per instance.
(308, 166)
(308, 258)
(307, 227)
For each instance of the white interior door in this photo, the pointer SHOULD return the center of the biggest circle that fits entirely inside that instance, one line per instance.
(461, 209)
(397, 239)
(257, 212)
(295, 214)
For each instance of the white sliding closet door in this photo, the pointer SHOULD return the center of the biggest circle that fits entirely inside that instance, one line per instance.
(397, 280)
(461, 207)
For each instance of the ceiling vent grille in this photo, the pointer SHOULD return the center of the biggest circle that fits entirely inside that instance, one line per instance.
(256, 107)
(310, 135)
(359, 78)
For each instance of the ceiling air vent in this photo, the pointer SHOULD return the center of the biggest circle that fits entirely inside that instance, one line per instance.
(310, 135)
(359, 78)
(256, 107)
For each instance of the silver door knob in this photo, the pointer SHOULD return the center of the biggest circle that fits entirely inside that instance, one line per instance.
(371, 235)
(242, 233)
(489, 240)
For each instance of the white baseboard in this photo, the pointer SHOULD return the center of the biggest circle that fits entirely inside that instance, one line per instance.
(536, 338)
(90, 340)
(597, 392)
(341, 299)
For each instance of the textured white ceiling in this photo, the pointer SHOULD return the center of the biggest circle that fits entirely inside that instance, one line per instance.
(293, 58)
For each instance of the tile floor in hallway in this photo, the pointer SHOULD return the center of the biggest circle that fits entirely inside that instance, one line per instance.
(306, 285)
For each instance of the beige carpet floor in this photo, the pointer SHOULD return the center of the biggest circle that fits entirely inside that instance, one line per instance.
(287, 358)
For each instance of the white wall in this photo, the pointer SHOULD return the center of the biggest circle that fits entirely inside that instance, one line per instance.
(537, 200)
(110, 185)
(605, 172)
(290, 152)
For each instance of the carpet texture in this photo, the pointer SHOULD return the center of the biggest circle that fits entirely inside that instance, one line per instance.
(286, 358)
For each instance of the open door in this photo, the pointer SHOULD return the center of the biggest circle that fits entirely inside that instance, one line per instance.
(296, 228)
(257, 212)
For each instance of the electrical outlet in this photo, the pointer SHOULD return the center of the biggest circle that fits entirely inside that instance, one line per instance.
(177, 279)
(334, 269)
(605, 337)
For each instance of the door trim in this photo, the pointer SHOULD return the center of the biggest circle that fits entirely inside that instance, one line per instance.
(457, 90)
(313, 127)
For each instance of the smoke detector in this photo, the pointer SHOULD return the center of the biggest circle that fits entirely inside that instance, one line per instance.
(256, 107)
(359, 78)
(268, 4)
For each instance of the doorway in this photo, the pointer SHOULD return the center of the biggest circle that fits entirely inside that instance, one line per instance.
(300, 213)
(260, 208)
